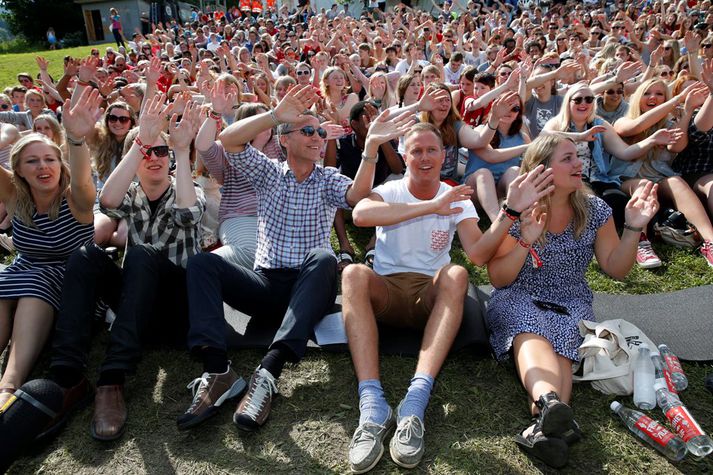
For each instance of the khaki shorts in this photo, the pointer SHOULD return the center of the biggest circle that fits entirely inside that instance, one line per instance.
(408, 302)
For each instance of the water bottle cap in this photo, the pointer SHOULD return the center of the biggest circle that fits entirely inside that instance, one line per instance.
(644, 346)
(660, 384)
(615, 405)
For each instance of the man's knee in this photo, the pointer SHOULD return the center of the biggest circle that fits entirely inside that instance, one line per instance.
(452, 278)
(321, 259)
(202, 265)
(356, 276)
(140, 255)
(85, 258)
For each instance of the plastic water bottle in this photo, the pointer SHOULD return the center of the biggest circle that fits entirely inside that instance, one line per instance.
(684, 424)
(674, 367)
(662, 373)
(644, 395)
(651, 432)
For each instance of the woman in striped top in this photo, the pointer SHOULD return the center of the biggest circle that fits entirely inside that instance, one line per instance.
(52, 216)
(238, 204)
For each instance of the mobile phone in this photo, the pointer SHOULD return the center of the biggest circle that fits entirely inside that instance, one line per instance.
(551, 306)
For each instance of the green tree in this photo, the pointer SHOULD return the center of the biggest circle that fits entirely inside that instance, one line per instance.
(31, 18)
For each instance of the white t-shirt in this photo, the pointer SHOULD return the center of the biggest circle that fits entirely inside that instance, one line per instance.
(420, 244)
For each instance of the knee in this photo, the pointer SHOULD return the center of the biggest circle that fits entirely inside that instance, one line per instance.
(139, 256)
(355, 276)
(321, 259)
(453, 278)
(483, 175)
(84, 256)
(202, 264)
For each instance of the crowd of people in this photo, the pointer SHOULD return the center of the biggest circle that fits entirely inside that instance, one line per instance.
(218, 155)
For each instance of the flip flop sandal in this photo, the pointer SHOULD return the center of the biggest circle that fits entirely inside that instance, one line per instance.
(344, 259)
(369, 258)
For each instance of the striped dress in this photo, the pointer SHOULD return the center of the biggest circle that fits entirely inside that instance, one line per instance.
(38, 269)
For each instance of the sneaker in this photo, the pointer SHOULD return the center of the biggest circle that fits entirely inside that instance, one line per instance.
(551, 450)
(707, 251)
(210, 391)
(407, 446)
(255, 406)
(367, 445)
(646, 257)
(573, 434)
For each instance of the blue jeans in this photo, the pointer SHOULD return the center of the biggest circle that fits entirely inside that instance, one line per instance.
(298, 298)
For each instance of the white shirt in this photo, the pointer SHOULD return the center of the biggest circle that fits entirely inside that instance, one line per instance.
(420, 244)
(404, 65)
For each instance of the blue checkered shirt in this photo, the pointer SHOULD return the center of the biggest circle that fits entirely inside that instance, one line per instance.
(292, 218)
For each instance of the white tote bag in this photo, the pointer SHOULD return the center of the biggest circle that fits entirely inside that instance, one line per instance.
(608, 354)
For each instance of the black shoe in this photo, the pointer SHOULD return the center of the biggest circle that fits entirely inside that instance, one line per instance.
(551, 450)
(574, 434)
(555, 416)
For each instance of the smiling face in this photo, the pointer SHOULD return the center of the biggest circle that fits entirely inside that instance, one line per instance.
(114, 118)
(566, 167)
(301, 147)
(154, 170)
(654, 96)
(41, 126)
(443, 107)
(377, 85)
(580, 112)
(424, 156)
(40, 166)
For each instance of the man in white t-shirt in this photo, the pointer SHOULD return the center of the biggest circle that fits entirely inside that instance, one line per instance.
(414, 285)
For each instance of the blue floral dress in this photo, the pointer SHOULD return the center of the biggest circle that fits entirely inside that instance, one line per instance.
(512, 310)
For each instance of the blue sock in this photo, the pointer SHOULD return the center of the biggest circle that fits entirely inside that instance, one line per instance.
(372, 403)
(417, 396)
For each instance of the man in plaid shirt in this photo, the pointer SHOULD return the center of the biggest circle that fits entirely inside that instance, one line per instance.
(294, 281)
(163, 213)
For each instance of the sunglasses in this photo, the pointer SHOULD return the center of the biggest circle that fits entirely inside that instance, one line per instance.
(611, 92)
(159, 151)
(515, 109)
(4, 107)
(303, 73)
(706, 46)
(580, 99)
(309, 130)
(418, 70)
(553, 27)
(665, 74)
(116, 118)
(617, 27)
(667, 48)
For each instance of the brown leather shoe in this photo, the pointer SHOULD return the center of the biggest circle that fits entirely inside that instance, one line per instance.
(75, 398)
(109, 418)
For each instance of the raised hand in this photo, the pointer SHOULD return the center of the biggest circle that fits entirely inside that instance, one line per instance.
(696, 98)
(42, 63)
(528, 188)
(513, 81)
(667, 136)
(691, 42)
(457, 193)
(154, 119)
(431, 98)
(153, 74)
(681, 97)
(385, 127)
(79, 120)
(642, 206)
(532, 223)
(88, 68)
(707, 73)
(295, 103)
(71, 68)
(504, 104)
(334, 131)
(656, 56)
(590, 135)
(182, 133)
(221, 101)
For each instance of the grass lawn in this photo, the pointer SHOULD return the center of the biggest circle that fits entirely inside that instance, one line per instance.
(476, 408)
(11, 64)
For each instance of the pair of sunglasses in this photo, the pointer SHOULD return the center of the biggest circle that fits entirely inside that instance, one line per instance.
(618, 92)
(159, 151)
(115, 118)
(579, 100)
(309, 130)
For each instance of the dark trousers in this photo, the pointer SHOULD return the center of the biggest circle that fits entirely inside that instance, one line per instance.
(148, 296)
(612, 195)
(118, 38)
(298, 298)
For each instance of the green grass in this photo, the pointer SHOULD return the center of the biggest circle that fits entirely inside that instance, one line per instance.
(11, 64)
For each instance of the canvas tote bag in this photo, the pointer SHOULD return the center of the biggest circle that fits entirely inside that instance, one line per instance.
(608, 354)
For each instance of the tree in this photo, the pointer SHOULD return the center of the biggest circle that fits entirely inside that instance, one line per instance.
(31, 18)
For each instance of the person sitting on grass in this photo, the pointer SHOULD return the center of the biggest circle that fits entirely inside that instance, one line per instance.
(541, 293)
(163, 213)
(294, 281)
(413, 285)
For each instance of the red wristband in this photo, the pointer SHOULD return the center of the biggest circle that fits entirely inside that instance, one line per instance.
(142, 148)
(536, 260)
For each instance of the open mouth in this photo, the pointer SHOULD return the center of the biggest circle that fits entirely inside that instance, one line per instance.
(44, 177)
(154, 167)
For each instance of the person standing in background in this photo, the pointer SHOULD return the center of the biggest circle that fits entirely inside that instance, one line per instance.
(116, 27)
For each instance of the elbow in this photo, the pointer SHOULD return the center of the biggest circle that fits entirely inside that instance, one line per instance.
(359, 217)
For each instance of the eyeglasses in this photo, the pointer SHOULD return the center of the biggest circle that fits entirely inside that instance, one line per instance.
(448, 36)
(611, 92)
(706, 46)
(309, 130)
(617, 27)
(95, 53)
(504, 74)
(561, 39)
(418, 70)
(578, 100)
(665, 74)
(515, 109)
(4, 106)
(596, 32)
(553, 27)
(159, 151)
(303, 73)
(122, 119)
(667, 48)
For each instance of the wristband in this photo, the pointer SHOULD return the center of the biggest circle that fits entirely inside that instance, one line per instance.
(274, 118)
(214, 115)
(75, 142)
(633, 228)
(536, 261)
(491, 128)
(142, 148)
(82, 83)
(511, 213)
(367, 159)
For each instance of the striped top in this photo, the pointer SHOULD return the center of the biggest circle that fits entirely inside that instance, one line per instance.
(238, 198)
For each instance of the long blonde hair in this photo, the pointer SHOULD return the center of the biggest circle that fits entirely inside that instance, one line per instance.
(634, 112)
(540, 151)
(325, 76)
(448, 127)
(388, 99)
(563, 119)
(24, 203)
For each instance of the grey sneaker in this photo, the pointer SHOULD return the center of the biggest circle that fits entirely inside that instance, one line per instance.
(407, 443)
(210, 391)
(255, 406)
(367, 445)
